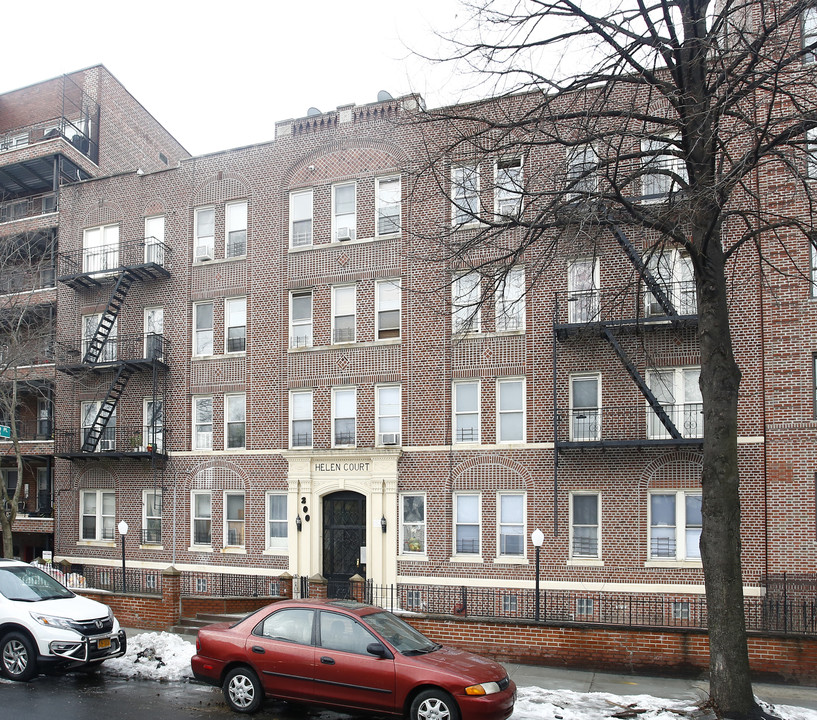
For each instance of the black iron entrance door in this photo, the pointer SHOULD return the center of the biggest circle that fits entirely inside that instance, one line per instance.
(344, 534)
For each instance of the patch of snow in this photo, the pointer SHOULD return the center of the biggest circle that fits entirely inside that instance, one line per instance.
(160, 656)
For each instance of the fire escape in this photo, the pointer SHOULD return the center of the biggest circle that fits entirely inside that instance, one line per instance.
(110, 270)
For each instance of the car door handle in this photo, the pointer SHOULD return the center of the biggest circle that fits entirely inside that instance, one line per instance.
(258, 649)
(327, 660)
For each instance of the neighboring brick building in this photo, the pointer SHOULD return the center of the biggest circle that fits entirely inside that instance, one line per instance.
(260, 373)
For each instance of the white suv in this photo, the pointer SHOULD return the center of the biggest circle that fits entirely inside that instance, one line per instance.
(43, 625)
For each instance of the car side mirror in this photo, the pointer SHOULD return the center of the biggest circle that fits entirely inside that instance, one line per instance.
(378, 649)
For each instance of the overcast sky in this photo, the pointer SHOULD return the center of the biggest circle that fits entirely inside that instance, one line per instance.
(220, 74)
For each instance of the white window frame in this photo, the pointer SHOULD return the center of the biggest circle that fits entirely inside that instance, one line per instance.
(235, 223)
(194, 517)
(301, 237)
(104, 524)
(340, 295)
(204, 246)
(583, 296)
(200, 335)
(388, 300)
(293, 419)
(685, 412)
(301, 340)
(673, 271)
(510, 302)
(100, 248)
(153, 436)
(153, 332)
(503, 523)
(584, 556)
(344, 221)
(230, 401)
(466, 292)
(239, 522)
(389, 425)
(110, 349)
(235, 305)
(465, 198)
(657, 156)
(458, 413)
(413, 530)
(346, 391)
(151, 535)
(681, 530)
(278, 544)
(811, 141)
(89, 409)
(580, 160)
(589, 417)
(155, 239)
(199, 435)
(508, 188)
(457, 524)
(386, 211)
(501, 412)
(808, 32)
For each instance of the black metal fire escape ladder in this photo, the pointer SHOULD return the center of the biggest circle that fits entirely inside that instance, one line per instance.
(109, 315)
(94, 433)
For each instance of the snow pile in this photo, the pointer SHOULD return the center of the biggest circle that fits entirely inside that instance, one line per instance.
(158, 656)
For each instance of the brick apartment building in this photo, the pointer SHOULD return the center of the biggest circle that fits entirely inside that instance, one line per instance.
(257, 370)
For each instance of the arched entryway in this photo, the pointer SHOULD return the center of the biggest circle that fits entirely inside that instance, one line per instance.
(344, 534)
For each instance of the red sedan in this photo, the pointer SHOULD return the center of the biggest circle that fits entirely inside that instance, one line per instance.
(349, 656)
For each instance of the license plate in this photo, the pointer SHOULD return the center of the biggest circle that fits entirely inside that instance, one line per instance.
(103, 643)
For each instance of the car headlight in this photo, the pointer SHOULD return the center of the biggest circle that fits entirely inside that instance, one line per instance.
(53, 621)
(488, 688)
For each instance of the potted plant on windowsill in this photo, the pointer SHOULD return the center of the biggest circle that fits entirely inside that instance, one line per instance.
(135, 442)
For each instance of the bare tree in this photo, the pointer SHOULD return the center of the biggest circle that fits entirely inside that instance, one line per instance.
(673, 116)
(26, 338)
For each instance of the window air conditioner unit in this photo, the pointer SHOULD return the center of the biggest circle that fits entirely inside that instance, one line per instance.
(508, 209)
(345, 233)
(204, 252)
(390, 438)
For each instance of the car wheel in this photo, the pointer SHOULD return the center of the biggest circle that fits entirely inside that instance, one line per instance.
(242, 690)
(434, 705)
(18, 658)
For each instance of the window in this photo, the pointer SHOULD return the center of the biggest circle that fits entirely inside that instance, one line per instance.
(675, 525)
(583, 290)
(108, 351)
(236, 420)
(235, 221)
(203, 423)
(388, 205)
(465, 302)
(510, 303)
(464, 194)
(511, 524)
(300, 410)
(811, 151)
(510, 409)
(678, 392)
(809, 32)
(300, 319)
(387, 410)
(466, 411)
(585, 408)
(663, 172)
(300, 218)
(508, 188)
(203, 244)
(235, 313)
(467, 524)
(413, 523)
(679, 609)
(344, 411)
(201, 502)
(582, 167)
(291, 625)
(107, 440)
(341, 633)
(152, 517)
(388, 299)
(344, 211)
(276, 521)
(98, 514)
(234, 519)
(673, 273)
(584, 525)
(100, 249)
(153, 418)
(155, 240)
(585, 607)
(344, 306)
(154, 333)
(203, 332)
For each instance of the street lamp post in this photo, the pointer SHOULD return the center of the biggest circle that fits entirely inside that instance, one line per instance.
(537, 537)
(123, 530)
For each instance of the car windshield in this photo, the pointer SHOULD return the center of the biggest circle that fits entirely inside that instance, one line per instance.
(28, 584)
(404, 638)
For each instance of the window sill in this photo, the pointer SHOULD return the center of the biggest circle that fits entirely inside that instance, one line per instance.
(276, 551)
(97, 543)
(223, 356)
(218, 261)
(466, 559)
(585, 562)
(200, 548)
(335, 244)
(673, 564)
(508, 560)
(413, 557)
(234, 550)
(150, 546)
(345, 345)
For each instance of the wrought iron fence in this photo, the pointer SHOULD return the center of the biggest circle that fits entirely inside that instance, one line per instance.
(142, 581)
(227, 585)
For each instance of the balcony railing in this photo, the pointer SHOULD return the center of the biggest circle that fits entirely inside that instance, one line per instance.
(628, 425)
(132, 440)
(131, 349)
(111, 258)
(38, 430)
(18, 279)
(32, 206)
(70, 130)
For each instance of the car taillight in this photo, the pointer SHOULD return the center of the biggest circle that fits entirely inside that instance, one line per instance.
(198, 645)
